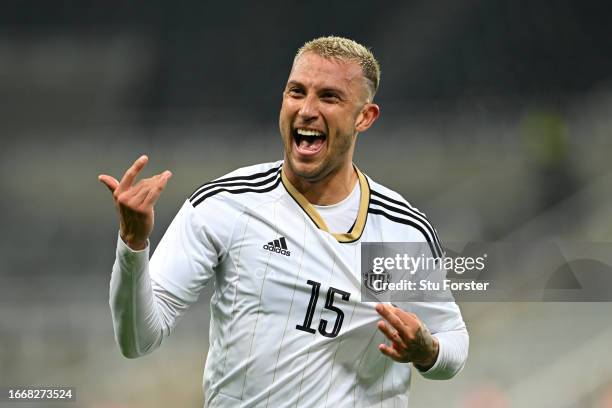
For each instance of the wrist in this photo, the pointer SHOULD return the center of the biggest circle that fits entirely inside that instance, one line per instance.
(137, 246)
(134, 244)
(431, 360)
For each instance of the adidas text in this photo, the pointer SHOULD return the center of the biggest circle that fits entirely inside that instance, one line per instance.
(277, 250)
(278, 245)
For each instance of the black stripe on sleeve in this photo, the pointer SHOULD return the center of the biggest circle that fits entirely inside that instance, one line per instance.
(432, 245)
(225, 181)
(422, 221)
(413, 213)
(221, 189)
(234, 184)
(379, 195)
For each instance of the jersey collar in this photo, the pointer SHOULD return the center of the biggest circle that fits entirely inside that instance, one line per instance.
(364, 201)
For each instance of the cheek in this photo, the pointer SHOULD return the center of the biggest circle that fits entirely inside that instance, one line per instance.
(284, 116)
(289, 105)
(283, 110)
(344, 135)
(344, 127)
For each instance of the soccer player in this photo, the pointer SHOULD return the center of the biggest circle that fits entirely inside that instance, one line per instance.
(281, 242)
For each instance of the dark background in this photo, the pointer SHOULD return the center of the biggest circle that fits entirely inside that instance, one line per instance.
(496, 122)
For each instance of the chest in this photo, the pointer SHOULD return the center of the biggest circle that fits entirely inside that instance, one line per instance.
(280, 263)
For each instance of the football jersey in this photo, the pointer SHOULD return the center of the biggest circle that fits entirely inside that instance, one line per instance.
(288, 327)
(341, 216)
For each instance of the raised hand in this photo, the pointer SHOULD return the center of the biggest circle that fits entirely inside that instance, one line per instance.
(410, 338)
(135, 202)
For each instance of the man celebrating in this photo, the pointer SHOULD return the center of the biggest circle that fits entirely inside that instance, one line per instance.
(282, 242)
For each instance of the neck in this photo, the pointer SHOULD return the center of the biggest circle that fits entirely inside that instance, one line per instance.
(329, 190)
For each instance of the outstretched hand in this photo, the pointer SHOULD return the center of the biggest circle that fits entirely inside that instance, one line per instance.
(135, 202)
(410, 338)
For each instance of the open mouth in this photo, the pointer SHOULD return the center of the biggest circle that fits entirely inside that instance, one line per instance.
(308, 141)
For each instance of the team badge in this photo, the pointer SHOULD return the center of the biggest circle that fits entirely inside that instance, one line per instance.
(375, 281)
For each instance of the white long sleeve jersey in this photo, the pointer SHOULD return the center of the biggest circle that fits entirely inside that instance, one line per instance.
(288, 327)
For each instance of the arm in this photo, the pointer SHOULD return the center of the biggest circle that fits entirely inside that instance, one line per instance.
(148, 297)
(453, 352)
(143, 312)
(437, 356)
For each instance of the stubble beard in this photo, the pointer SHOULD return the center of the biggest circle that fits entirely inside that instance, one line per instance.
(322, 169)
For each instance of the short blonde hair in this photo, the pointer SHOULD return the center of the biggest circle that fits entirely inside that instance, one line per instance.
(343, 48)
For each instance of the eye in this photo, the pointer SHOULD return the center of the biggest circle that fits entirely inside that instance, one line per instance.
(330, 97)
(295, 91)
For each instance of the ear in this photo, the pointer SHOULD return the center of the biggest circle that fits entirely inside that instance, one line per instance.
(368, 115)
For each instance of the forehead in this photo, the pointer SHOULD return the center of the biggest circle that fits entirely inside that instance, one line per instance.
(313, 70)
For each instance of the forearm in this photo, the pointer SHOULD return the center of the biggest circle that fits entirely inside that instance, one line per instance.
(142, 313)
(452, 355)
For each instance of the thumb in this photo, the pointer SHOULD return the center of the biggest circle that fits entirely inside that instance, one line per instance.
(109, 181)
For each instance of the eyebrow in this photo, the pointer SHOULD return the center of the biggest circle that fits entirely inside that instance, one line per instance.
(338, 91)
(293, 82)
(333, 90)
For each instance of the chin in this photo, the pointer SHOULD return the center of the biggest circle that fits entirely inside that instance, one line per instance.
(308, 171)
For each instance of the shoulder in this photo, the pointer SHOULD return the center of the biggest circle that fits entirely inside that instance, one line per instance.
(398, 212)
(233, 186)
(382, 196)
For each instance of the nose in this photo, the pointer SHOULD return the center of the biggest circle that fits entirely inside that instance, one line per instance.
(309, 109)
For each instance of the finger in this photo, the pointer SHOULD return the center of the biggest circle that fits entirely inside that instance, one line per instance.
(389, 332)
(126, 198)
(407, 319)
(387, 313)
(131, 173)
(390, 352)
(109, 181)
(136, 195)
(404, 325)
(157, 188)
(139, 196)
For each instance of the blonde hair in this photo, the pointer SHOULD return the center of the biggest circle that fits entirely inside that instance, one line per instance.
(343, 48)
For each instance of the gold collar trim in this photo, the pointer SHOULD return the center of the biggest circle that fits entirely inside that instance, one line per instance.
(364, 202)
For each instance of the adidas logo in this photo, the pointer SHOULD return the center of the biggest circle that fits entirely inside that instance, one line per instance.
(279, 246)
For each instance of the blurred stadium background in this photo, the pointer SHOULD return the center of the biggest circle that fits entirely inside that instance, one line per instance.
(496, 121)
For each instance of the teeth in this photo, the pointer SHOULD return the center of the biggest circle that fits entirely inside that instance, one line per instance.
(308, 132)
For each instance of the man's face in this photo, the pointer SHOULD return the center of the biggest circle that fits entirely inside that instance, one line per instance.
(321, 114)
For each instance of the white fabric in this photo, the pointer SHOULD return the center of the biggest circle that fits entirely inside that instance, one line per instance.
(143, 312)
(340, 217)
(257, 356)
